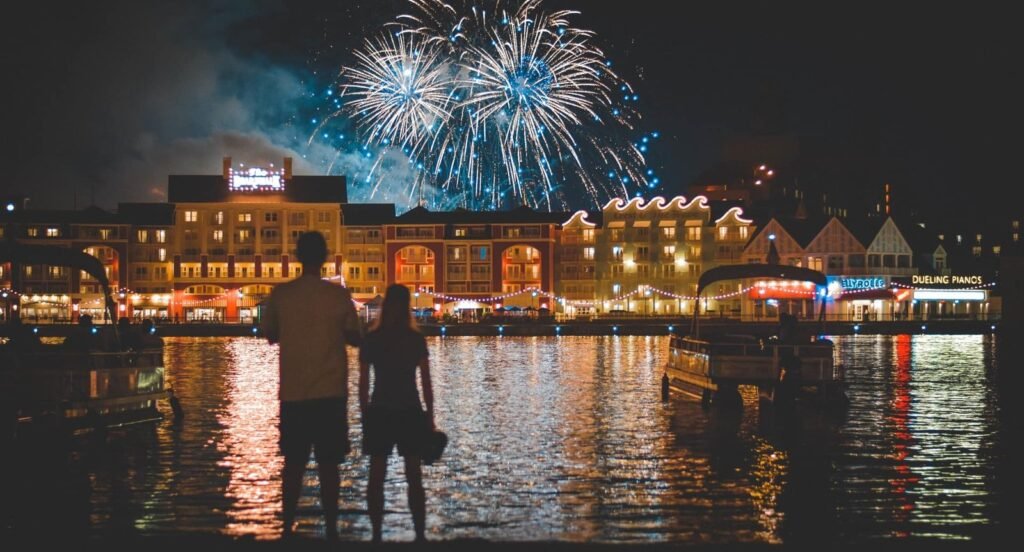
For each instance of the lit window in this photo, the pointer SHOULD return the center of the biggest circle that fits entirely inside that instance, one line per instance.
(161, 236)
(460, 232)
(723, 232)
(588, 235)
(53, 232)
(33, 232)
(668, 232)
(191, 216)
(996, 249)
(218, 236)
(161, 254)
(588, 253)
(744, 231)
(218, 217)
(244, 217)
(142, 236)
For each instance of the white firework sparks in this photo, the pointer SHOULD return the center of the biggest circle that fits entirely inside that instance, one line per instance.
(400, 91)
(498, 106)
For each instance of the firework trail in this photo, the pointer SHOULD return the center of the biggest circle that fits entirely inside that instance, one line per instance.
(497, 107)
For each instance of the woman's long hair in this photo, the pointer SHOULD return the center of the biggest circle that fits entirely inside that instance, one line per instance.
(395, 312)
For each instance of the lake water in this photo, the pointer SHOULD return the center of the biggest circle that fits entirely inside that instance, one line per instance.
(567, 439)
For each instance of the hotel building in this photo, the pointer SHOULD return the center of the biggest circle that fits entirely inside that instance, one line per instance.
(215, 250)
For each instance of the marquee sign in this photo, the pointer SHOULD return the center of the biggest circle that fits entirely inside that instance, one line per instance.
(256, 180)
(947, 280)
(869, 282)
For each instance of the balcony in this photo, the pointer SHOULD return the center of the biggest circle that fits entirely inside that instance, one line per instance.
(416, 259)
(374, 257)
(355, 257)
(523, 259)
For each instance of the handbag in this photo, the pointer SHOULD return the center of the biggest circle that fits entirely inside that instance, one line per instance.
(434, 445)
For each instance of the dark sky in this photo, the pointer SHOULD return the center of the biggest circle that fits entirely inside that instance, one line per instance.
(107, 98)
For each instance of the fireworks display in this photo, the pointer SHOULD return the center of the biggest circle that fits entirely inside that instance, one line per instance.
(492, 106)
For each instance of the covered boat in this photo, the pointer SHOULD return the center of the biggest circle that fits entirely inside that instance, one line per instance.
(713, 367)
(62, 387)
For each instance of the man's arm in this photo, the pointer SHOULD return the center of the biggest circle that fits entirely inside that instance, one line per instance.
(352, 328)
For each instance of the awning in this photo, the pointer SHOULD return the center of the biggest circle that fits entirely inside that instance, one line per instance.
(616, 224)
(666, 223)
(794, 292)
(641, 224)
(884, 294)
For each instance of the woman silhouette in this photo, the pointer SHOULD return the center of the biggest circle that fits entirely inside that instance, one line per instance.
(394, 415)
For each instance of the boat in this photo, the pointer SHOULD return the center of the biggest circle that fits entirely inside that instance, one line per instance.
(712, 367)
(53, 387)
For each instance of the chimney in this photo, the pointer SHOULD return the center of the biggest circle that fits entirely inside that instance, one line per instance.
(227, 167)
(287, 168)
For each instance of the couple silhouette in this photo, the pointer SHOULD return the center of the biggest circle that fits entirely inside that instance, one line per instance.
(313, 321)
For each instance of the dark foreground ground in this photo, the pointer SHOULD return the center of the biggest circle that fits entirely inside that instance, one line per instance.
(205, 543)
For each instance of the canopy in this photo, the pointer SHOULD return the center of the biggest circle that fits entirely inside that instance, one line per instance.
(737, 272)
(768, 270)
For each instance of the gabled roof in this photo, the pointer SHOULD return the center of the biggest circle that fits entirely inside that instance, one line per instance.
(367, 214)
(865, 229)
(921, 241)
(804, 230)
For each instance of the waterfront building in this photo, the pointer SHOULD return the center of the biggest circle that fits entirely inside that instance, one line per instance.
(576, 259)
(152, 248)
(220, 243)
(470, 263)
(42, 293)
(235, 234)
(364, 260)
(650, 255)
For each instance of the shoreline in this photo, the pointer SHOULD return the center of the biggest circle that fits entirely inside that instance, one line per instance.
(627, 327)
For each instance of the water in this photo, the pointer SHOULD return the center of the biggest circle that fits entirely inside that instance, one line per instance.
(566, 439)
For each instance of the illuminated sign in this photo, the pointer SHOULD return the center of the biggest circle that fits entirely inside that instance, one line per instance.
(947, 279)
(256, 180)
(862, 283)
(949, 295)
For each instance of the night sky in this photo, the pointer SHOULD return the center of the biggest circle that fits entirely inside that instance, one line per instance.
(106, 99)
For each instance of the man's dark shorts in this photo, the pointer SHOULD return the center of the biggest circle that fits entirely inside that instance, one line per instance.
(383, 428)
(320, 424)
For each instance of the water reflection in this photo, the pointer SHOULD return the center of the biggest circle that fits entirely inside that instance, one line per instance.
(566, 438)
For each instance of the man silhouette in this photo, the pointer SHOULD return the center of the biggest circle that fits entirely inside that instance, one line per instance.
(312, 320)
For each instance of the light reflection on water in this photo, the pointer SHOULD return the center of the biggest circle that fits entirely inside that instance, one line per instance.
(566, 438)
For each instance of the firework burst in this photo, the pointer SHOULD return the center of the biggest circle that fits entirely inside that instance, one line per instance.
(498, 107)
